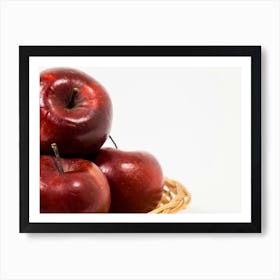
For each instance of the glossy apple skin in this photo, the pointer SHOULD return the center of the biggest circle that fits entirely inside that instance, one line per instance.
(135, 178)
(81, 128)
(82, 188)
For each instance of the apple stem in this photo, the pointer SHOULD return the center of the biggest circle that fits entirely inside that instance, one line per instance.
(113, 141)
(71, 102)
(57, 158)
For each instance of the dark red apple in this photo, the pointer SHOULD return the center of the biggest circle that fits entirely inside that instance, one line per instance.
(72, 186)
(135, 178)
(75, 112)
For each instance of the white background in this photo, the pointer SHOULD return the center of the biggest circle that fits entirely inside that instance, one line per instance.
(146, 256)
(189, 118)
(192, 113)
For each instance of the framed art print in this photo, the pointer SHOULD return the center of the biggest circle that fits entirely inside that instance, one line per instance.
(140, 138)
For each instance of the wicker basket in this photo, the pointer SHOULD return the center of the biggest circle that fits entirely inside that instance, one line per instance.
(175, 198)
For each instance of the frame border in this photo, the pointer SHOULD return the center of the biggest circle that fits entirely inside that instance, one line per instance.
(253, 51)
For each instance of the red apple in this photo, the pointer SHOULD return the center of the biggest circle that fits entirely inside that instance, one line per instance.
(135, 178)
(72, 186)
(75, 112)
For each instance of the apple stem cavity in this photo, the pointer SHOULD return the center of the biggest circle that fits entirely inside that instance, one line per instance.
(113, 141)
(57, 158)
(71, 103)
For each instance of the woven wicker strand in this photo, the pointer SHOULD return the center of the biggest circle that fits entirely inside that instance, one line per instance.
(175, 198)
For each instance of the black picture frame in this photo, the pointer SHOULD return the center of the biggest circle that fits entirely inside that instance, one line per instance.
(25, 52)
